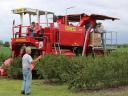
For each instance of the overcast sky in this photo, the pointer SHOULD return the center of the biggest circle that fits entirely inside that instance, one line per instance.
(115, 8)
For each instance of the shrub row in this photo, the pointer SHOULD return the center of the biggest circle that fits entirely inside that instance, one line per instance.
(54, 67)
(86, 72)
(3, 57)
(14, 70)
(80, 72)
(102, 71)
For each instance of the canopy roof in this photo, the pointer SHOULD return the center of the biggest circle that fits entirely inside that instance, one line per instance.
(76, 17)
(30, 11)
(102, 17)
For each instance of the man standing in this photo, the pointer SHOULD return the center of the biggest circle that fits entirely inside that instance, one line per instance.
(27, 62)
(100, 29)
(32, 29)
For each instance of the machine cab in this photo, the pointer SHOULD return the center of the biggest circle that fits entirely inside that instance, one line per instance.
(32, 13)
(33, 33)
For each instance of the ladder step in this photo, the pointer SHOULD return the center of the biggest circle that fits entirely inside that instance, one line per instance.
(57, 48)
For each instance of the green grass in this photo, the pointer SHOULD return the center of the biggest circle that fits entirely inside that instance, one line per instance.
(12, 88)
(5, 50)
(122, 49)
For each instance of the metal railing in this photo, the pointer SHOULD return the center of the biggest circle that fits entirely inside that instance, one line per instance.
(110, 40)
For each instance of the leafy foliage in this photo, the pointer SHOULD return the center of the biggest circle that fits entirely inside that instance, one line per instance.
(102, 71)
(54, 67)
(79, 72)
(1, 43)
(3, 57)
(15, 68)
(6, 44)
(86, 72)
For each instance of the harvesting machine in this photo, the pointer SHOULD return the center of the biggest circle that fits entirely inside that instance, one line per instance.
(68, 34)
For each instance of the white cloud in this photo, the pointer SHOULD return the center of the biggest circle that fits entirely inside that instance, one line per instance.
(116, 8)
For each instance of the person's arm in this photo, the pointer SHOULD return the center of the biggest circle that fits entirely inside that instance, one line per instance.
(35, 61)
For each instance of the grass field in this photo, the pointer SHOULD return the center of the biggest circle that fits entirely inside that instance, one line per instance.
(122, 49)
(12, 88)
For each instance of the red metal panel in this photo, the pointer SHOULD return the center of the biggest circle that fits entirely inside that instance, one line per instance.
(71, 35)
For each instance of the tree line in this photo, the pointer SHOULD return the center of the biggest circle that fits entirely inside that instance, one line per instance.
(5, 44)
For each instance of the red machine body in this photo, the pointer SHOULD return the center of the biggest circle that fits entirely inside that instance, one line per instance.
(64, 38)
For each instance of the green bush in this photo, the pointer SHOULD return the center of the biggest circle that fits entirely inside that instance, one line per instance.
(5, 52)
(14, 70)
(86, 72)
(54, 68)
(100, 72)
(80, 72)
(3, 57)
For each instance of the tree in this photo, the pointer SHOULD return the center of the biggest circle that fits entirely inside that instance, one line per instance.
(1, 42)
(7, 44)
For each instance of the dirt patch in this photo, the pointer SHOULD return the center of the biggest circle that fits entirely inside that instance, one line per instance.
(105, 90)
(114, 90)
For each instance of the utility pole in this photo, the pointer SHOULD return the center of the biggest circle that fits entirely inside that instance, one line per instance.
(68, 9)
